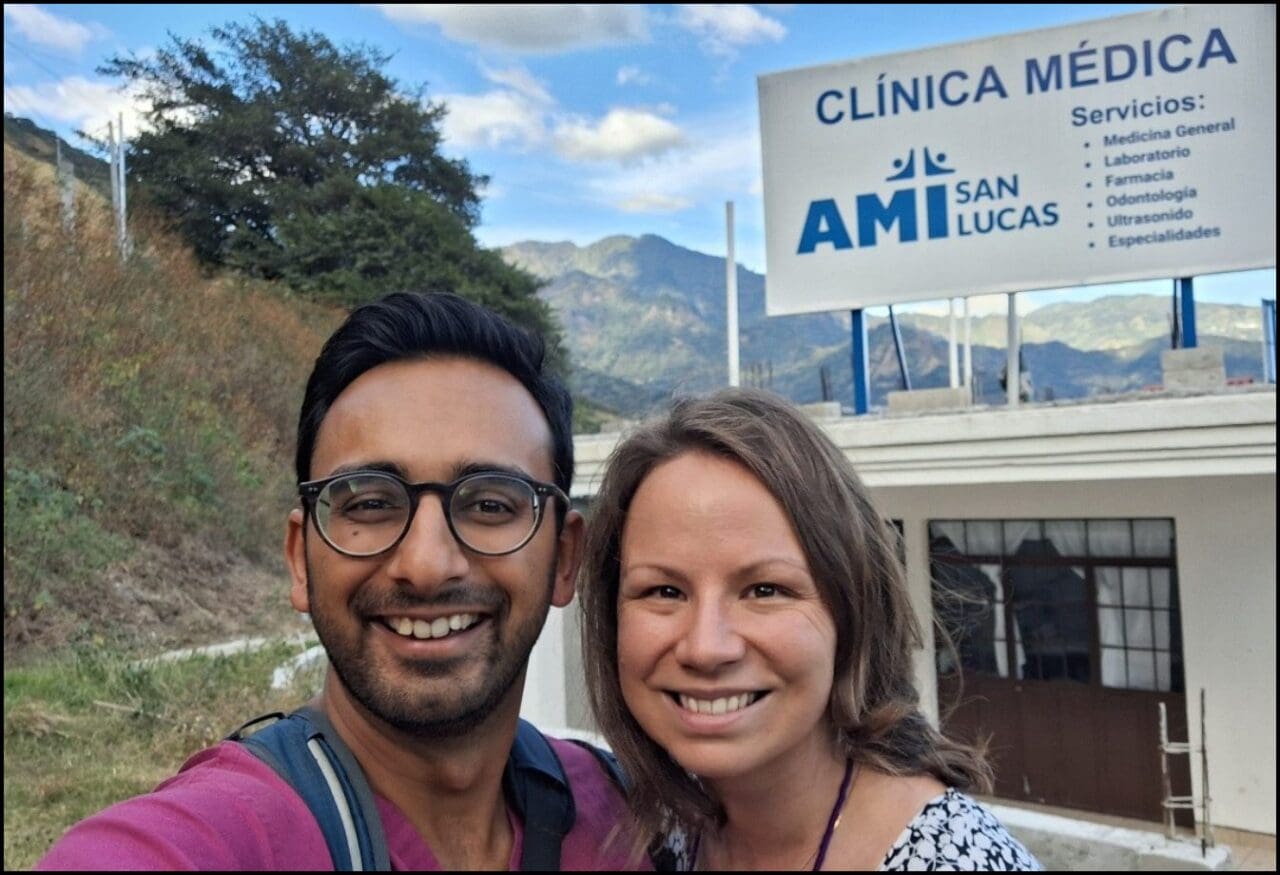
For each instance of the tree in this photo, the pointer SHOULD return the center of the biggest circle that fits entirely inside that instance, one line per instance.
(289, 158)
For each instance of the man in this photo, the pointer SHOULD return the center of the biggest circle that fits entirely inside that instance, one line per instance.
(434, 531)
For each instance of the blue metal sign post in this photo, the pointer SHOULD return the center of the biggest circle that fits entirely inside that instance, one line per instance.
(1188, 312)
(858, 353)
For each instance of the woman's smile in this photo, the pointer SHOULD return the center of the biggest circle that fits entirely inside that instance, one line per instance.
(726, 652)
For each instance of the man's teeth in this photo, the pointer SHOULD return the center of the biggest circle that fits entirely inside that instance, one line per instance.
(726, 705)
(437, 628)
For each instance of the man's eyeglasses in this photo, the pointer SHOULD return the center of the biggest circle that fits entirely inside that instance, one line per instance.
(364, 513)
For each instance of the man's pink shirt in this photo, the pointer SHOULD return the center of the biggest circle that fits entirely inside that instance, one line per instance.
(226, 809)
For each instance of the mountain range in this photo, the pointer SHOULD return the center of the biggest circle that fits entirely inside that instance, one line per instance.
(645, 319)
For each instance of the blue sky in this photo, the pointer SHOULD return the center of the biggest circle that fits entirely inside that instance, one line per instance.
(589, 120)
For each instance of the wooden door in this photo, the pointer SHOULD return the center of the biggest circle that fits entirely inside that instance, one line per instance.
(1030, 680)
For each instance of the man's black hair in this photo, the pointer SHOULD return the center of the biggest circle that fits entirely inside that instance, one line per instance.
(417, 326)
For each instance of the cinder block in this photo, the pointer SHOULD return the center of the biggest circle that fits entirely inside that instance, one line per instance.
(916, 400)
(1202, 367)
(822, 409)
(1199, 358)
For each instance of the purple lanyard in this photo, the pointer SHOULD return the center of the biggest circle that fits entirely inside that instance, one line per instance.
(832, 821)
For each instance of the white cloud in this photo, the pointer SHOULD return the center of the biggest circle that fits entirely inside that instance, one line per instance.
(528, 28)
(88, 105)
(723, 28)
(630, 75)
(513, 115)
(498, 118)
(521, 80)
(721, 162)
(493, 191)
(521, 116)
(46, 29)
(654, 202)
(624, 135)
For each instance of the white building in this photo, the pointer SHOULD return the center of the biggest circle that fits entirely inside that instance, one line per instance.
(1113, 554)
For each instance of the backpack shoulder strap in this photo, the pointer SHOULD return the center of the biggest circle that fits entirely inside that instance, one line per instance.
(538, 790)
(304, 749)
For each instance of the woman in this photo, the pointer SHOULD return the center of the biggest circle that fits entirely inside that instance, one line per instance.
(748, 641)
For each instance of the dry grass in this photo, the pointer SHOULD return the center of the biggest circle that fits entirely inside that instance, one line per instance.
(148, 429)
(146, 404)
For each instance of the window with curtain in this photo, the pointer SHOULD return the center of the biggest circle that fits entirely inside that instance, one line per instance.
(1085, 601)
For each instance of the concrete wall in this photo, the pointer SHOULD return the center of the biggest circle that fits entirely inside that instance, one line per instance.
(1225, 530)
(545, 701)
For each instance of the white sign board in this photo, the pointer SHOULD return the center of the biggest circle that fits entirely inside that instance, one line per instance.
(1121, 149)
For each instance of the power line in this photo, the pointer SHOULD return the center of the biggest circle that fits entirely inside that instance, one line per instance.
(11, 44)
(92, 134)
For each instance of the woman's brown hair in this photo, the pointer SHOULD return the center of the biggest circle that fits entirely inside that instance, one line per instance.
(853, 557)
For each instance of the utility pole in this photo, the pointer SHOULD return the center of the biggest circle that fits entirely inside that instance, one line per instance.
(731, 295)
(968, 350)
(118, 206)
(1013, 379)
(953, 364)
(122, 226)
(113, 157)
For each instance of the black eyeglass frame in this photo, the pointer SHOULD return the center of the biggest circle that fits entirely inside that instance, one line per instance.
(310, 490)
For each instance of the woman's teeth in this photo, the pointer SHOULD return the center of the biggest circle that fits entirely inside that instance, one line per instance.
(724, 705)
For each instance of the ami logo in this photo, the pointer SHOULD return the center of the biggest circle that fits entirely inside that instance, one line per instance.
(824, 223)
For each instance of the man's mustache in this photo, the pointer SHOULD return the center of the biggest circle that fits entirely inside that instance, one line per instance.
(472, 595)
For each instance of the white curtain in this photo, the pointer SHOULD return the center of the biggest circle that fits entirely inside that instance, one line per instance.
(985, 537)
(1129, 634)
(1153, 537)
(1108, 580)
(1113, 674)
(1017, 531)
(1019, 655)
(1111, 626)
(1109, 538)
(952, 530)
(1067, 536)
(1142, 670)
(1137, 593)
(1137, 628)
(998, 608)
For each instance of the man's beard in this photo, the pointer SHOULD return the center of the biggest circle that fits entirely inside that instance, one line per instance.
(431, 714)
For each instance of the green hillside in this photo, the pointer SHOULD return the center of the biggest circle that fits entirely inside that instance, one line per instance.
(1110, 323)
(645, 319)
(149, 412)
(36, 142)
